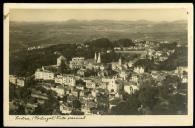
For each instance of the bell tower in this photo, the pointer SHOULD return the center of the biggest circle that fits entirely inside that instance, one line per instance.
(99, 58)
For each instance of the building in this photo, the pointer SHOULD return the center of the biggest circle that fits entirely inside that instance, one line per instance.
(163, 58)
(30, 107)
(123, 75)
(90, 84)
(117, 65)
(95, 58)
(61, 60)
(99, 58)
(58, 79)
(12, 79)
(39, 95)
(68, 80)
(19, 81)
(135, 78)
(130, 64)
(184, 79)
(59, 90)
(102, 85)
(139, 70)
(82, 72)
(111, 84)
(94, 93)
(41, 74)
(65, 109)
(77, 62)
(181, 69)
(150, 52)
(80, 87)
(130, 88)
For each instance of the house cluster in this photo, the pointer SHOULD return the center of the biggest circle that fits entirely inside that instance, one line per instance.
(96, 85)
(139, 45)
(159, 55)
(34, 48)
(103, 80)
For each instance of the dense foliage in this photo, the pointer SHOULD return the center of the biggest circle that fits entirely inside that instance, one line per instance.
(154, 100)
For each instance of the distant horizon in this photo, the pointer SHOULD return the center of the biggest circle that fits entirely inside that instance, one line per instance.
(61, 15)
(100, 20)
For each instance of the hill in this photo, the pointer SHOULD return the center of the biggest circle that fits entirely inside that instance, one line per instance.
(27, 34)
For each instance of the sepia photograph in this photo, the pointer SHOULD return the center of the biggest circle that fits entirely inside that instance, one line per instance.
(74, 64)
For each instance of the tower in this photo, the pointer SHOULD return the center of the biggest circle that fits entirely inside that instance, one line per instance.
(61, 60)
(120, 61)
(95, 57)
(99, 58)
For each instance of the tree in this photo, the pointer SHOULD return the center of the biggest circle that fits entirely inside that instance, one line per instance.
(172, 82)
(76, 112)
(20, 110)
(123, 43)
(148, 97)
(178, 104)
(128, 107)
(76, 104)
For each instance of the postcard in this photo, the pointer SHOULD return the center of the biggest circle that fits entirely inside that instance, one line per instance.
(98, 64)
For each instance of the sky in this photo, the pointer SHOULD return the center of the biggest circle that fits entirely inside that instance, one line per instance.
(44, 15)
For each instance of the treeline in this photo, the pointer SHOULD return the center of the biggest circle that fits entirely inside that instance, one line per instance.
(168, 99)
(104, 43)
(24, 63)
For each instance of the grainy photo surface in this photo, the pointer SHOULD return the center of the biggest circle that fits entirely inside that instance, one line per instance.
(79, 62)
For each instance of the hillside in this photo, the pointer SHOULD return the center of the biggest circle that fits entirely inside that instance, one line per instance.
(26, 34)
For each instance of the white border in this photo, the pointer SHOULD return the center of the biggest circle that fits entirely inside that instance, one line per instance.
(144, 120)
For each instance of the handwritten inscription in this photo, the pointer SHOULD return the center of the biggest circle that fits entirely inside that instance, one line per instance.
(48, 118)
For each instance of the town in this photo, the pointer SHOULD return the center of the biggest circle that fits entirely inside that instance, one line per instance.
(89, 86)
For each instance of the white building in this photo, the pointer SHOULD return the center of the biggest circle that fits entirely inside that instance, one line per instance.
(102, 67)
(134, 78)
(59, 90)
(94, 93)
(111, 84)
(102, 85)
(90, 84)
(61, 60)
(163, 58)
(184, 79)
(65, 109)
(181, 69)
(12, 79)
(65, 80)
(158, 53)
(99, 58)
(130, 64)
(77, 62)
(123, 75)
(19, 81)
(117, 65)
(130, 88)
(41, 74)
(139, 70)
(117, 48)
(59, 79)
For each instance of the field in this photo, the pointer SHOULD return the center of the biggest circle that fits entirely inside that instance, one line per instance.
(26, 34)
